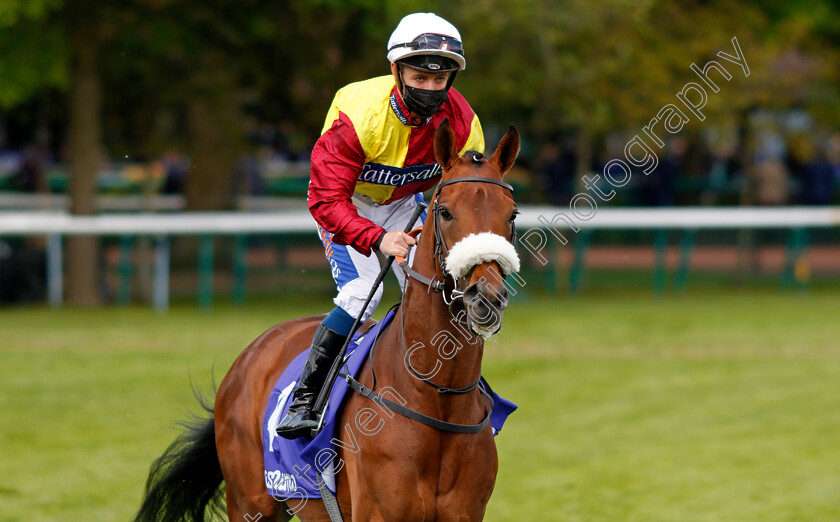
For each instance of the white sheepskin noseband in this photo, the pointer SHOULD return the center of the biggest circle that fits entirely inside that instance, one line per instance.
(480, 248)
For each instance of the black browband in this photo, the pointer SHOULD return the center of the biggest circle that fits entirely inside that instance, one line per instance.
(474, 178)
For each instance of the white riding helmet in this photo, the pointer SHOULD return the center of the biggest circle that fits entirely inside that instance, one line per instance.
(427, 34)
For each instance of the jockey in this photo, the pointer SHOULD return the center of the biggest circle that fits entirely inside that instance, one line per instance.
(370, 167)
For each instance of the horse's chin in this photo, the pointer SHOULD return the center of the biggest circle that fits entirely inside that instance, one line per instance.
(485, 332)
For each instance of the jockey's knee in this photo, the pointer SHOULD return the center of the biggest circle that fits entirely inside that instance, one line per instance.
(352, 304)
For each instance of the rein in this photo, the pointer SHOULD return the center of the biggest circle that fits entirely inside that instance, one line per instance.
(396, 407)
(441, 251)
(432, 422)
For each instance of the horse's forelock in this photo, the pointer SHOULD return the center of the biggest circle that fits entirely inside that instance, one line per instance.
(472, 160)
(475, 157)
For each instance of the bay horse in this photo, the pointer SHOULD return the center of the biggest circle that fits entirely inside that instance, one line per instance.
(407, 471)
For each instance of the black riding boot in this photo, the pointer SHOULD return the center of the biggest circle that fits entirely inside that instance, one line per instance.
(300, 420)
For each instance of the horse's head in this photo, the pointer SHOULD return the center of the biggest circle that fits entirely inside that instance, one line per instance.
(473, 212)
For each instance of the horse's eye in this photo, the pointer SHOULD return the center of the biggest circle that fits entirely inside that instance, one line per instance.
(513, 216)
(444, 213)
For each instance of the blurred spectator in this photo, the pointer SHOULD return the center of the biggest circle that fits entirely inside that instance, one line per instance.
(32, 174)
(249, 172)
(769, 181)
(558, 173)
(657, 189)
(176, 166)
(818, 180)
(23, 273)
(834, 158)
(724, 168)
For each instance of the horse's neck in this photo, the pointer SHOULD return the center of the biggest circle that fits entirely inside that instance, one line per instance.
(436, 345)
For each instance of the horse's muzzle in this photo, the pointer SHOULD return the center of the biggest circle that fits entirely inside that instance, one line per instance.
(484, 305)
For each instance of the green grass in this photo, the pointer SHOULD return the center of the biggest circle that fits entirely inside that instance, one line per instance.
(712, 406)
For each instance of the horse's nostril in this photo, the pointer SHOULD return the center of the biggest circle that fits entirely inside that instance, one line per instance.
(496, 297)
(502, 294)
(472, 292)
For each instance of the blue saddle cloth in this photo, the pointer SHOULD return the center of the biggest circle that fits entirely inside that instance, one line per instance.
(291, 465)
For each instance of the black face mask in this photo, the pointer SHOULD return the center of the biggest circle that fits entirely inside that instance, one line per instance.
(423, 102)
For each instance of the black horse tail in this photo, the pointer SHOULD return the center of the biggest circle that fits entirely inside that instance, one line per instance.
(185, 483)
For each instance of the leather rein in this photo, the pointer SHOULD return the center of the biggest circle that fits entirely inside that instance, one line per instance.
(433, 285)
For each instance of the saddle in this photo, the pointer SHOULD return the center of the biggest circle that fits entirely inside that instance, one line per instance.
(292, 467)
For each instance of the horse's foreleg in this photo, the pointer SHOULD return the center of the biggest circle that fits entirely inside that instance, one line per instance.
(263, 508)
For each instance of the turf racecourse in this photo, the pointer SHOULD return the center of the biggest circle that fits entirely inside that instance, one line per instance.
(712, 406)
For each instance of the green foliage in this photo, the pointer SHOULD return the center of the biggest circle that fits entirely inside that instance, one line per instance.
(34, 58)
(550, 66)
(33, 50)
(20, 11)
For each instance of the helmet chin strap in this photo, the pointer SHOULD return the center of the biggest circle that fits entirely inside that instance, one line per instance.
(451, 79)
(400, 81)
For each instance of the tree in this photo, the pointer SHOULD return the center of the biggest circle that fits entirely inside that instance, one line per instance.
(40, 38)
(213, 68)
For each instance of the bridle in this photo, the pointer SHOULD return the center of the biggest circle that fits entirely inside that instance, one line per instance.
(441, 251)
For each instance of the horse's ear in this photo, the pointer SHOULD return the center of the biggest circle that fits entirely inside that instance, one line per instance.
(507, 151)
(445, 152)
